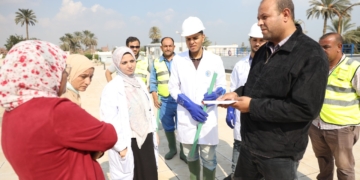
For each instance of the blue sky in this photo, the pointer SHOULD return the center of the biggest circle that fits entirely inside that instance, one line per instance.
(226, 21)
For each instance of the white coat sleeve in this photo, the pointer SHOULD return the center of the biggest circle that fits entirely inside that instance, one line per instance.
(221, 77)
(109, 112)
(174, 82)
(234, 78)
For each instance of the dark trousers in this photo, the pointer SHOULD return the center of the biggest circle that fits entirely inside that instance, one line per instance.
(254, 167)
(144, 159)
(337, 144)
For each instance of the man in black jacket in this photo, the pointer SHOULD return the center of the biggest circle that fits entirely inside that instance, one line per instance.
(283, 94)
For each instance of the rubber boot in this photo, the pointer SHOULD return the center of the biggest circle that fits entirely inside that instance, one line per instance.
(208, 174)
(194, 167)
(182, 155)
(170, 136)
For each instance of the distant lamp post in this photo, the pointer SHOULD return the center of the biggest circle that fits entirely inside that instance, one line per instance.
(340, 14)
(177, 32)
(300, 21)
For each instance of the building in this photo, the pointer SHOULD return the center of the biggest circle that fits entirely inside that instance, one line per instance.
(228, 50)
(154, 50)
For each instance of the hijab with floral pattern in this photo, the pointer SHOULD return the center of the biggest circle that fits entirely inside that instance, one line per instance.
(31, 69)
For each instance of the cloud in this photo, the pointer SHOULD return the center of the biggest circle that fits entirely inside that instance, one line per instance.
(166, 15)
(137, 20)
(70, 9)
(114, 24)
(96, 8)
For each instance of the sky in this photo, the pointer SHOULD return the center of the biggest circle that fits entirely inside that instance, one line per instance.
(112, 21)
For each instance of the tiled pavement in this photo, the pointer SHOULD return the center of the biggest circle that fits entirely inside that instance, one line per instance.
(175, 168)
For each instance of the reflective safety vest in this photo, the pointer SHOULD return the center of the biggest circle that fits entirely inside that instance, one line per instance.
(341, 104)
(141, 69)
(162, 77)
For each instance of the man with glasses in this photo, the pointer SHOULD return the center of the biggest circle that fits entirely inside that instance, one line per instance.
(142, 64)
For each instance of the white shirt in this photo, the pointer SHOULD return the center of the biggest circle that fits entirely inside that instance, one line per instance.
(194, 83)
(238, 78)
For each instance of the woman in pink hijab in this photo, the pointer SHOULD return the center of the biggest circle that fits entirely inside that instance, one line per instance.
(44, 136)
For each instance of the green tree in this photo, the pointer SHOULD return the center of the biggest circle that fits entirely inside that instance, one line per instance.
(206, 42)
(90, 41)
(343, 13)
(78, 36)
(69, 43)
(12, 40)
(25, 16)
(155, 34)
(327, 9)
(348, 34)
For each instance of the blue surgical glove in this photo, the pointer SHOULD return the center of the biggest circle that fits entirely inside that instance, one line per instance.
(214, 95)
(195, 110)
(230, 117)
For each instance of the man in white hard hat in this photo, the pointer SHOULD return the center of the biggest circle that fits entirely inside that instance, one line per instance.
(191, 75)
(238, 78)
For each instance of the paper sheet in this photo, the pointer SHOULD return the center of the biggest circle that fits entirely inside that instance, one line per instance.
(219, 102)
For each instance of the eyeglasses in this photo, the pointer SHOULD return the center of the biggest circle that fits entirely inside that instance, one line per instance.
(134, 47)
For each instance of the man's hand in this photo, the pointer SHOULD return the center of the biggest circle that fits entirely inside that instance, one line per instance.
(123, 153)
(242, 104)
(157, 104)
(227, 96)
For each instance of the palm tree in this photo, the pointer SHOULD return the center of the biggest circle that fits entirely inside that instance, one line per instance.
(155, 34)
(25, 16)
(206, 42)
(70, 43)
(90, 41)
(64, 44)
(327, 9)
(78, 36)
(343, 12)
(300, 22)
(348, 34)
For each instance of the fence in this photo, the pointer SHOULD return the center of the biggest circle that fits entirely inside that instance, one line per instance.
(348, 49)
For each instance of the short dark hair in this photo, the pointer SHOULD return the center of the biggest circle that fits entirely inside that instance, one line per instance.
(165, 38)
(131, 39)
(283, 4)
(338, 37)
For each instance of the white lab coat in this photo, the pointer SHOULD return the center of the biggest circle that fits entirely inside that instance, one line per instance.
(238, 78)
(185, 79)
(114, 110)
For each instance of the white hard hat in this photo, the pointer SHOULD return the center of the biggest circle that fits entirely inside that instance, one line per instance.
(191, 25)
(255, 31)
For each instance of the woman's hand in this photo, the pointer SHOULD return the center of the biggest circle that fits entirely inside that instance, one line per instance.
(96, 155)
(123, 153)
(157, 139)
